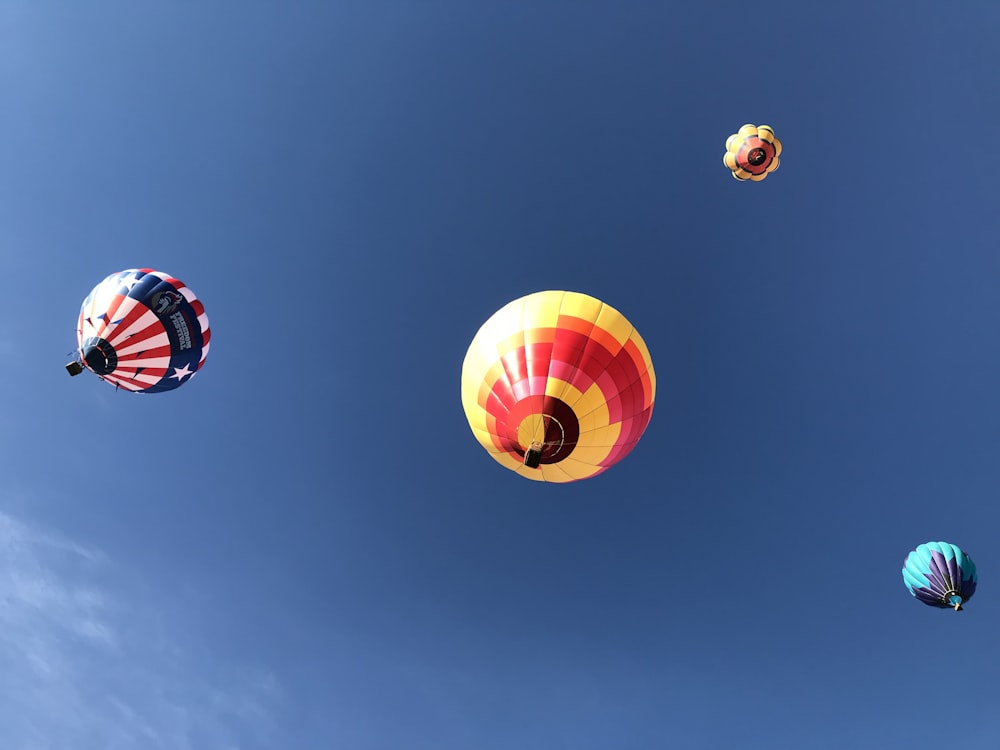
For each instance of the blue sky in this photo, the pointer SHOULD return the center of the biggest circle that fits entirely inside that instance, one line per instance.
(306, 548)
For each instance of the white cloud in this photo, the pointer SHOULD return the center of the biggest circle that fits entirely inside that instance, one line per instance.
(85, 662)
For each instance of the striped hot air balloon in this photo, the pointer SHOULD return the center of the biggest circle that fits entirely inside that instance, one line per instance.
(940, 575)
(142, 330)
(558, 386)
(752, 153)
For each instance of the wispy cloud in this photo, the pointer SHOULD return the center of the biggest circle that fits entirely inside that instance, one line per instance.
(87, 662)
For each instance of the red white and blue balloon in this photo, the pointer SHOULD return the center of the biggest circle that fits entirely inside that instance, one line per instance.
(142, 330)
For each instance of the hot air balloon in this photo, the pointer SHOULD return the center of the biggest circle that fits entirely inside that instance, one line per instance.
(752, 153)
(558, 386)
(940, 574)
(141, 330)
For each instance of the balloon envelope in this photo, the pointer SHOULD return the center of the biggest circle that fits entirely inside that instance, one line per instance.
(143, 330)
(752, 152)
(558, 386)
(940, 575)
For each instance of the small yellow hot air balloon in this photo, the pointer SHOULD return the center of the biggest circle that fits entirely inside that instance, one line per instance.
(558, 386)
(752, 153)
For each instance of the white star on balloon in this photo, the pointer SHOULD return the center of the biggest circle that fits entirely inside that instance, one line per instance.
(130, 281)
(181, 373)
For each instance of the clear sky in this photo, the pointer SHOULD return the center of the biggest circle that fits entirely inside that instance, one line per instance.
(305, 548)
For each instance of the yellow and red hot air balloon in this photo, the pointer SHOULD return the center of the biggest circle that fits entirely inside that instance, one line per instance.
(752, 153)
(558, 386)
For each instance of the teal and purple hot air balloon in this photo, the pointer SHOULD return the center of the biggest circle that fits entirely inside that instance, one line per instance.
(940, 575)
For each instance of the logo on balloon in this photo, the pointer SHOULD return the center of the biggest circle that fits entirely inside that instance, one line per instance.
(164, 303)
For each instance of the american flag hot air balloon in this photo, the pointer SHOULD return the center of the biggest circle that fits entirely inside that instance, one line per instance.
(141, 330)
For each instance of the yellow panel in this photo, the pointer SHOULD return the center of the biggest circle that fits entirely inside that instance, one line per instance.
(593, 420)
(615, 323)
(541, 309)
(591, 456)
(555, 473)
(574, 469)
(581, 306)
(470, 389)
(562, 390)
(601, 437)
(590, 402)
(473, 412)
(532, 428)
